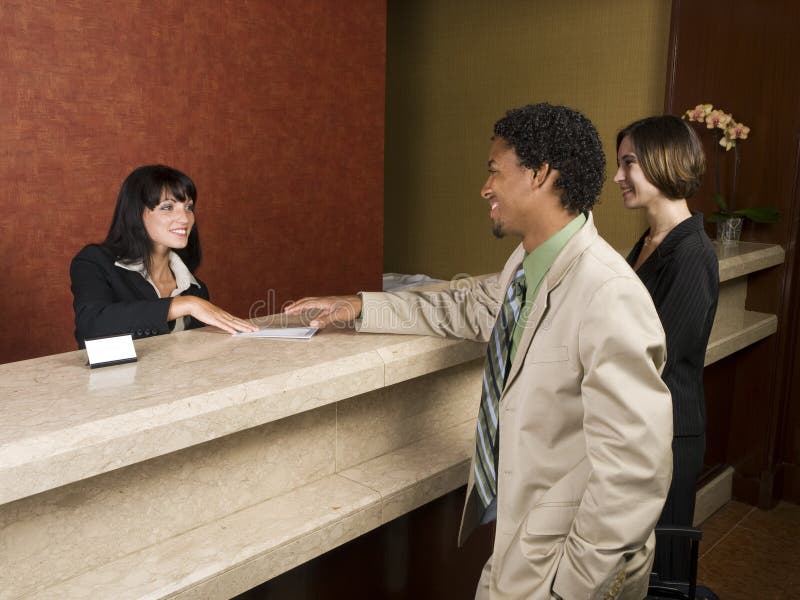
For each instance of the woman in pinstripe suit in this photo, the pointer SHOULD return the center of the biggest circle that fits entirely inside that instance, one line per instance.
(661, 163)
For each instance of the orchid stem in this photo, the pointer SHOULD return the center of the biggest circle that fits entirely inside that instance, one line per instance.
(735, 176)
(716, 164)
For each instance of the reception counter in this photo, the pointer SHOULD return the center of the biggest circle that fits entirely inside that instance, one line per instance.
(215, 463)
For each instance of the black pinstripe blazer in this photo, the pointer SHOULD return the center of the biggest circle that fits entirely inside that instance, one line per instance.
(682, 276)
(110, 300)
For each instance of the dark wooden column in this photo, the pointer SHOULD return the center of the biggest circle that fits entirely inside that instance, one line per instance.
(741, 56)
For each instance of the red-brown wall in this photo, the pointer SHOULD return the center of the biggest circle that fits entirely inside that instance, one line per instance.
(275, 109)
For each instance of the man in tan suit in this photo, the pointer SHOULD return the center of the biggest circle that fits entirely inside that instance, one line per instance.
(574, 430)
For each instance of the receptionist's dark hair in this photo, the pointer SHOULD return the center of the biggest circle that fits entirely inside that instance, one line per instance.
(143, 190)
(669, 153)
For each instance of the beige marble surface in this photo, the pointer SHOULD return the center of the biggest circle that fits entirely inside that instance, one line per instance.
(713, 495)
(736, 330)
(401, 414)
(732, 296)
(62, 422)
(260, 541)
(109, 516)
(746, 257)
(416, 474)
(241, 550)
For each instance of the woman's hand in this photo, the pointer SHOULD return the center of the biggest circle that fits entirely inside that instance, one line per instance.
(207, 313)
(340, 310)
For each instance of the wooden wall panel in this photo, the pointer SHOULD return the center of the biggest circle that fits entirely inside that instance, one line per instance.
(743, 59)
(275, 109)
(788, 381)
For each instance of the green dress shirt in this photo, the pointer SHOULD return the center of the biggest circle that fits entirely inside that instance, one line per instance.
(536, 265)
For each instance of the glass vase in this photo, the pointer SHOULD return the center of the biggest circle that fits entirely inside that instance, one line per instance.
(729, 230)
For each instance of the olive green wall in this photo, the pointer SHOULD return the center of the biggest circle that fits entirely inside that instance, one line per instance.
(455, 66)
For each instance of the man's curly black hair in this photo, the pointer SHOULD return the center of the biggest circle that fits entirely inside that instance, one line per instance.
(567, 141)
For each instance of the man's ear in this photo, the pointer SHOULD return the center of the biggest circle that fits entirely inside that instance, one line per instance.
(540, 175)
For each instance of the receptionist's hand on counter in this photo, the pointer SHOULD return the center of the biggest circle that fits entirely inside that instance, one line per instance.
(208, 313)
(324, 310)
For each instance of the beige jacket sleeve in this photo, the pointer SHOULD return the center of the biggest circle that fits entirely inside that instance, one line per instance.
(467, 309)
(628, 434)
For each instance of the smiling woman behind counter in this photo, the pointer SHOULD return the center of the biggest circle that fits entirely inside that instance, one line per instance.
(140, 279)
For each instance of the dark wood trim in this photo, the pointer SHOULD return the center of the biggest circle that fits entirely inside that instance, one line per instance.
(788, 482)
(672, 60)
(788, 383)
(754, 396)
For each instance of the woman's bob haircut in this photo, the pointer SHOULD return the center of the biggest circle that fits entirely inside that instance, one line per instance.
(143, 190)
(669, 153)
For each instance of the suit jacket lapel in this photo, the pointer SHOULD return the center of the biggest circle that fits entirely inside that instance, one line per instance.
(141, 287)
(568, 255)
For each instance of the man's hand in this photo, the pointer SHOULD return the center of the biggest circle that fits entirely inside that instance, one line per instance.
(339, 310)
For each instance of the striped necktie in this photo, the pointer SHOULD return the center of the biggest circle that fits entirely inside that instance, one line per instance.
(494, 376)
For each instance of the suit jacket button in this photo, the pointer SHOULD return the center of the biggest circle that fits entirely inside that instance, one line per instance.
(139, 332)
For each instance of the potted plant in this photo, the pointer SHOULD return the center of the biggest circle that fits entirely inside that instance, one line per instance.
(726, 131)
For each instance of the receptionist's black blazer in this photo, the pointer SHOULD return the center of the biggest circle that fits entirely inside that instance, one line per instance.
(110, 300)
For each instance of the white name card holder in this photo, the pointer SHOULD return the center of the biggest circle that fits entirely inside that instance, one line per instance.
(110, 350)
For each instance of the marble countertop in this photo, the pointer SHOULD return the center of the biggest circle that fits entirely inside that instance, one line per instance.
(62, 422)
(746, 257)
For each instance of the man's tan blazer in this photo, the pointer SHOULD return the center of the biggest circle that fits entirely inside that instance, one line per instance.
(585, 422)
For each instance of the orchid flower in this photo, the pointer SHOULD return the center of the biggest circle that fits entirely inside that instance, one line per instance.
(699, 113)
(726, 143)
(718, 119)
(727, 131)
(737, 131)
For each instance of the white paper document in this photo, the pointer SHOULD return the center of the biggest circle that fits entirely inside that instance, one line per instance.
(290, 333)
